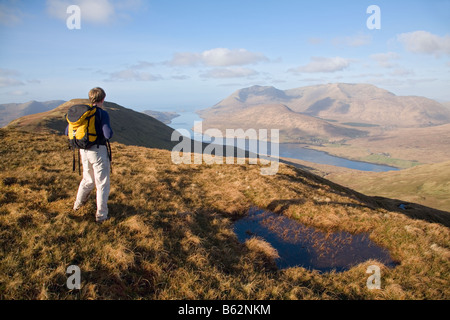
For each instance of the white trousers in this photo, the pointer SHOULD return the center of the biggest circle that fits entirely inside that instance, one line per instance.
(96, 168)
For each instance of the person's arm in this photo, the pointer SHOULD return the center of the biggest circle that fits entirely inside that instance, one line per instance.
(106, 126)
(67, 130)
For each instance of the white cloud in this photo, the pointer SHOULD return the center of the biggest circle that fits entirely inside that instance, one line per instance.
(399, 82)
(132, 75)
(100, 11)
(372, 75)
(93, 11)
(402, 72)
(222, 57)
(133, 5)
(219, 57)
(180, 77)
(358, 40)
(9, 72)
(425, 42)
(133, 72)
(225, 73)
(322, 64)
(9, 15)
(142, 65)
(185, 59)
(385, 59)
(34, 81)
(17, 93)
(8, 78)
(315, 41)
(10, 82)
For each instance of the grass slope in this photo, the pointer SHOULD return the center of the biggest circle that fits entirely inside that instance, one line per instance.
(171, 236)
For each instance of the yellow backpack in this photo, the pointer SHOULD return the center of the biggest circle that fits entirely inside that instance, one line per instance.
(82, 129)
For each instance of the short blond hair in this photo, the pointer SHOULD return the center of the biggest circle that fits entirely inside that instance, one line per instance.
(97, 95)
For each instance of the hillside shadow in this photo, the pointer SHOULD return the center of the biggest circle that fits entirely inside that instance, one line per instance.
(411, 210)
(118, 211)
(297, 165)
(319, 106)
(121, 211)
(283, 205)
(222, 150)
(136, 283)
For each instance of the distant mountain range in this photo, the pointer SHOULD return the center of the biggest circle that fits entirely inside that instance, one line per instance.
(330, 111)
(294, 126)
(12, 111)
(130, 127)
(364, 120)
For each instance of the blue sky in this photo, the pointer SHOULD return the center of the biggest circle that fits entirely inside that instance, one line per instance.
(185, 55)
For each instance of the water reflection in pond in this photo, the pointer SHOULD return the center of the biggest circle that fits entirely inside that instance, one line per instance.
(298, 245)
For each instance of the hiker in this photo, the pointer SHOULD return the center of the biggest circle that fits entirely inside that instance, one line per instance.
(96, 160)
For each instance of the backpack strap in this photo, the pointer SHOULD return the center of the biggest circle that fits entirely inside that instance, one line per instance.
(108, 148)
(79, 162)
(74, 161)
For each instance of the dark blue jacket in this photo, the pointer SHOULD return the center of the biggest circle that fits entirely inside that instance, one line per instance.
(105, 124)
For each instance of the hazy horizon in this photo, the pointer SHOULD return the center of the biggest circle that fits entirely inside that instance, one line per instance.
(176, 108)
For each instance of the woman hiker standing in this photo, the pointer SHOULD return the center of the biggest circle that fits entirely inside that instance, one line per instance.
(96, 161)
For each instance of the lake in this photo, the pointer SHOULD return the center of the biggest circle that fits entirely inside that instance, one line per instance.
(298, 245)
(186, 121)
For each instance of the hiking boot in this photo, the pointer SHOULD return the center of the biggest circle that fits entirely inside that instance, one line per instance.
(77, 206)
(100, 220)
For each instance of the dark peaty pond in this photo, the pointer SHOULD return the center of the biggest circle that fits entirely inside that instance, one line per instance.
(298, 245)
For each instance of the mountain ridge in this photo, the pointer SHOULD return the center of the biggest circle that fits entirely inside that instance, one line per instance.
(130, 127)
(342, 102)
(291, 124)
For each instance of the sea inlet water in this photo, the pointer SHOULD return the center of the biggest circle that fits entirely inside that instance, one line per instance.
(298, 245)
(186, 121)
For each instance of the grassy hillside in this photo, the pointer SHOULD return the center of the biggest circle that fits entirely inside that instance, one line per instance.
(426, 184)
(130, 127)
(171, 236)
